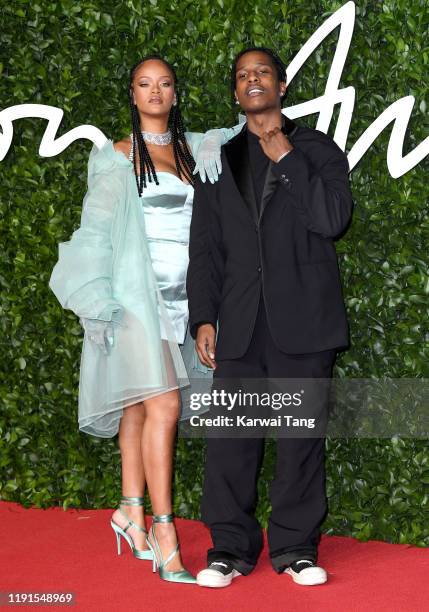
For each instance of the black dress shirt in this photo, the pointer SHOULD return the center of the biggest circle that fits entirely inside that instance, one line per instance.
(258, 164)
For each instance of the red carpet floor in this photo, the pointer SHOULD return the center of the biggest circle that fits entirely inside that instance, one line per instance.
(75, 551)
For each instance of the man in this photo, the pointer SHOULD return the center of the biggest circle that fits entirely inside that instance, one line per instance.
(263, 269)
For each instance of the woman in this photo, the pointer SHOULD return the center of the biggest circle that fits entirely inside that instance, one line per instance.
(123, 273)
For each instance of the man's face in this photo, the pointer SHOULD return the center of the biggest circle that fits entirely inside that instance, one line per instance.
(256, 83)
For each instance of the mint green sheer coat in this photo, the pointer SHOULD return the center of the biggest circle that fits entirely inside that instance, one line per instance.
(105, 272)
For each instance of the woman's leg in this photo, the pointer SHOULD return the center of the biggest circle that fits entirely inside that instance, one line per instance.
(133, 474)
(159, 434)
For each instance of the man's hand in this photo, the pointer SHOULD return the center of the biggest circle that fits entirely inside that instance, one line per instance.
(274, 144)
(205, 344)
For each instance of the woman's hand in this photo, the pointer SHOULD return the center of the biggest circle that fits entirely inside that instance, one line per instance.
(208, 157)
(99, 332)
(207, 161)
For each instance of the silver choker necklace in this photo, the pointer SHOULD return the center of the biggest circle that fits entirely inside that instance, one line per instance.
(158, 139)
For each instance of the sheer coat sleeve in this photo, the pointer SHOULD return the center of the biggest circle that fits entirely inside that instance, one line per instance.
(81, 278)
(223, 135)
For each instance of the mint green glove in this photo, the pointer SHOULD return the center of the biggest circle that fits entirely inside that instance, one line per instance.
(101, 332)
(207, 161)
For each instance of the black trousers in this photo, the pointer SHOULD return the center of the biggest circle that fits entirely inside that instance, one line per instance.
(297, 492)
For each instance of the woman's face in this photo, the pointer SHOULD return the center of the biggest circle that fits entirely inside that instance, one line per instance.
(153, 88)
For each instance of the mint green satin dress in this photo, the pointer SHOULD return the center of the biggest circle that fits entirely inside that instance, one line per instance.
(129, 258)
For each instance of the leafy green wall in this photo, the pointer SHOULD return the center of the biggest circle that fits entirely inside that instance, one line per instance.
(76, 56)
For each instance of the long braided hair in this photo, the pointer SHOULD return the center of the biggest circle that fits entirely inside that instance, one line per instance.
(185, 162)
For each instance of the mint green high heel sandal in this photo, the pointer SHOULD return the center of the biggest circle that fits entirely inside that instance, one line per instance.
(158, 561)
(139, 554)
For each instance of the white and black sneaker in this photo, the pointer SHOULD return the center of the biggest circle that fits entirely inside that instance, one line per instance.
(305, 571)
(218, 574)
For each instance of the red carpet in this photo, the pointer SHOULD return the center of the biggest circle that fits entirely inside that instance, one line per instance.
(53, 550)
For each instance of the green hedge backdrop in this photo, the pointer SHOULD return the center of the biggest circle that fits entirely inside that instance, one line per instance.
(76, 56)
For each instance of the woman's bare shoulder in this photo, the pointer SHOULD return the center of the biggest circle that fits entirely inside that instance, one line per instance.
(123, 146)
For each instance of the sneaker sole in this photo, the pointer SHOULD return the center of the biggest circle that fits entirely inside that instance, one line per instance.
(210, 580)
(305, 581)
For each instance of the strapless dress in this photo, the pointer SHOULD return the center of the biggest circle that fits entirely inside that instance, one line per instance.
(167, 211)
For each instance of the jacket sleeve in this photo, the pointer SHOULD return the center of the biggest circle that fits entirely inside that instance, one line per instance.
(220, 135)
(321, 196)
(203, 281)
(82, 276)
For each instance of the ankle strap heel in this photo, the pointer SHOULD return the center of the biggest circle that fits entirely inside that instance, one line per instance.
(158, 559)
(132, 501)
(127, 500)
(163, 518)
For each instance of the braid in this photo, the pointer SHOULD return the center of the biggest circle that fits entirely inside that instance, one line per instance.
(184, 160)
(182, 156)
(146, 164)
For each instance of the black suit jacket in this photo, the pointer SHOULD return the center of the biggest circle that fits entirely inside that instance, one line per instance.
(286, 251)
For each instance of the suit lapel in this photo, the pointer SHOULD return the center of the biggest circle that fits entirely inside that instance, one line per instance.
(237, 153)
